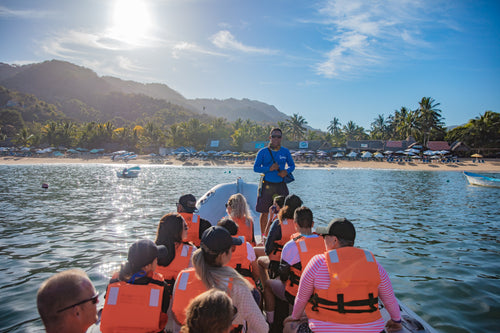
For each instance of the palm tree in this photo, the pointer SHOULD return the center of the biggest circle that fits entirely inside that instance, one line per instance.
(296, 125)
(428, 117)
(379, 128)
(24, 137)
(334, 127)
(50, 131)
(354, 132)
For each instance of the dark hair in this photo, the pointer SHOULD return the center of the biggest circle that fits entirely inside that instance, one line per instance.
(280, 200)
(292, 202)
(169, 232)
(276, 129)
(229, 225)
(211, 311)
(304, 217)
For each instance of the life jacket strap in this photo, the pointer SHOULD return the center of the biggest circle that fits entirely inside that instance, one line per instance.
(243, 271)
(339, 306)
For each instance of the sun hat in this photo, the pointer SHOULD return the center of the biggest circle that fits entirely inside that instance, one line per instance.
(218, 240)
(143, 252)
(341, 228)
(188, 202)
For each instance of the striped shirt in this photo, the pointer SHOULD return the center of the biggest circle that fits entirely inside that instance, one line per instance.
(315, 276)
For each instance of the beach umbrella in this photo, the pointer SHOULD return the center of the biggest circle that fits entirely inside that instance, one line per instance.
(352, 154)
(411, 150)
(429, 152)
(366, 154)
(476, 155)
(339, 154)
(378, 155)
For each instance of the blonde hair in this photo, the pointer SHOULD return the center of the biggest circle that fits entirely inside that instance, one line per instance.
(239, 208)
(213, 275)
(211, 311)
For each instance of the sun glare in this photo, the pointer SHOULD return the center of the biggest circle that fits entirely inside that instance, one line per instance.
(131, 21)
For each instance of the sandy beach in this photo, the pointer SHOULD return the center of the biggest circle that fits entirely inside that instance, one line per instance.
(492, 165)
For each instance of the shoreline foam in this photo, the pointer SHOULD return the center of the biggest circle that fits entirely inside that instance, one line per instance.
(489, 165)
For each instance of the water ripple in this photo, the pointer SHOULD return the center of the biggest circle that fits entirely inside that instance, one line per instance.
(436, 236)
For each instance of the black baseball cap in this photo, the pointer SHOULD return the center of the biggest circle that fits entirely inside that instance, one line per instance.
(218, 240)
(341, 228)
(143, 252)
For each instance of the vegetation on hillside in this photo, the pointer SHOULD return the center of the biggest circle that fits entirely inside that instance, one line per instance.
(28, 121)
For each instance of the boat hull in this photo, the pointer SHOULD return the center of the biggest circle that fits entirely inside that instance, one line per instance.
(480, 180)
(211, 205)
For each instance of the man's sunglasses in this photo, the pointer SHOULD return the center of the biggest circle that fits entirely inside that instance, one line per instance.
(276, 136)
(94, 300)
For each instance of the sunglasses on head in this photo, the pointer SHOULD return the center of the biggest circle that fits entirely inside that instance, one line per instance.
(94, 300)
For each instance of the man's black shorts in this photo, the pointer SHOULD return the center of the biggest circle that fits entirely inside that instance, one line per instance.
(267, 192)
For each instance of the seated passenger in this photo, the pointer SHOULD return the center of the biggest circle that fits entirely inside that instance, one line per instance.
(211, 311)
(210, 271)
(243, 259)
(67, 302)
(196, 225)
(280, 233)
(137, 298)
(278, 202)
(238, 211)
(295, 256)
(339, 289)
(172, 231)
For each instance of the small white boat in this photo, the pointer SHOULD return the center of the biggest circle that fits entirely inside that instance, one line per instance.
(476, 179)
(132, 172)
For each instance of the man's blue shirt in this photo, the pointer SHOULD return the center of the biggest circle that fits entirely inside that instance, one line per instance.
(263, 162)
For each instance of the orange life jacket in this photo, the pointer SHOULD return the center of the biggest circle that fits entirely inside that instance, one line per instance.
(183, 252)
(308, 247)
(188, 286)
(239, 261)
(352, 297)
(287, 230)
(193, 223)
(244, 229)
(134, 308)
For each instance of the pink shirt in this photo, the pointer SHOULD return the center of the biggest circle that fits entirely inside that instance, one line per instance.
(315, 276)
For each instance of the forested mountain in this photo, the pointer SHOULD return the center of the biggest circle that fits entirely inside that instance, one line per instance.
(82, 95)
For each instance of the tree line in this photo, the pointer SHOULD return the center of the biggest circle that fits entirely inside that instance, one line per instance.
(424, 124)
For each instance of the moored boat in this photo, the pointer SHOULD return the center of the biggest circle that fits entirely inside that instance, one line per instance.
(481, 180)
(132, 172)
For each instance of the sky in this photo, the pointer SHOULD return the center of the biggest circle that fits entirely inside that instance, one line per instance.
(349, 59)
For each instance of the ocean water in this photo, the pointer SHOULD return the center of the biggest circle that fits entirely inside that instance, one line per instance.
(437, 236)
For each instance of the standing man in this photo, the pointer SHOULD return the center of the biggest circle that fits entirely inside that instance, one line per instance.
(271, 161)
(67, 302)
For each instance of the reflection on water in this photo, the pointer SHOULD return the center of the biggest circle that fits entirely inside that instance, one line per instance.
(435, 235)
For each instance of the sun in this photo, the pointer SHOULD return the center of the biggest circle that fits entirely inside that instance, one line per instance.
(131, 21)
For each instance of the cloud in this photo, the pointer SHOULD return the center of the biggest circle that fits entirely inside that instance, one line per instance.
(225, 40)
(187, 47)
(26, 14)
(366, 35)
